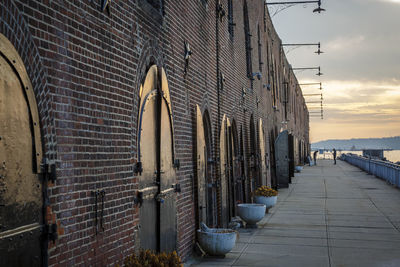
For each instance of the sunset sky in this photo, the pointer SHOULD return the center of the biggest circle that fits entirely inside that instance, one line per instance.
(361, 64)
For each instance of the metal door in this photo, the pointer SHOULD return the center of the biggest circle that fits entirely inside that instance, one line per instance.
(157, 183)
(291, 157)
(282, 159)
(263, 157)
(201, 167)
(20, 154)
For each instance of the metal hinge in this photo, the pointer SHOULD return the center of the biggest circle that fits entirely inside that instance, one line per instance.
(177, 164)
(49, 170)
(138, 169)
(50, 232)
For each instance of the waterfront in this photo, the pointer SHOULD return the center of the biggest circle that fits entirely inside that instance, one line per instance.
(390, 155)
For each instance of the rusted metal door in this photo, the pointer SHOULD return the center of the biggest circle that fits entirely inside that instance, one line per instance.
(263, 163)
(157, 183)
(21, 201)
(282, 159)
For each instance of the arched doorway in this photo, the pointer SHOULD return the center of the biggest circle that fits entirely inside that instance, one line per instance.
(21, 203)
(157, 181)
(206, 186)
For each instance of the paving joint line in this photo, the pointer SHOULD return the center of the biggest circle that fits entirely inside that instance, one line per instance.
(326, 224)
(257, 230)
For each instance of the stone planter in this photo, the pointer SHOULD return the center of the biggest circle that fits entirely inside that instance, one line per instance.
(217, 242)
(298, 168)
(251, 213)
(269, 202)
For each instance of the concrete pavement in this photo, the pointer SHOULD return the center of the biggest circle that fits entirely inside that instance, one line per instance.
(331, 215)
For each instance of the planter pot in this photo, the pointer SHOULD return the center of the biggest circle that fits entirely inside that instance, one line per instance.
(298, 168)
(217, 242)
(251, 213)
(269, 202)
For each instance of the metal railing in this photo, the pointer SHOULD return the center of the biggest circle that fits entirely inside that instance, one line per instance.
(382, 169)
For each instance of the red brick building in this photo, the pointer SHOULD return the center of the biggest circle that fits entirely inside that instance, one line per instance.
(124, 128)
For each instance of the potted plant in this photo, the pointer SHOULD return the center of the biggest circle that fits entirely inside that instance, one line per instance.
(266, 195)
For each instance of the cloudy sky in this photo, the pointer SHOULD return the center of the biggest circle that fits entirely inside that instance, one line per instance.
(361, 64)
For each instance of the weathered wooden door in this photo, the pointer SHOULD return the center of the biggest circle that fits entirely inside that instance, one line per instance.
(201, 168)
(282, 159)
(21, 201)
(224, 171)
(227, 173)
(157, 182)
(263, 163)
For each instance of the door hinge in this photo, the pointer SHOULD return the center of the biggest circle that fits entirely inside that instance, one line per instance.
(177, 188)
(49, 170)
(138, 169)
(177, 164)
(50, 232)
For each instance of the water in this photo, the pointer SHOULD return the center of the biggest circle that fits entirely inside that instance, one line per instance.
(392, 155)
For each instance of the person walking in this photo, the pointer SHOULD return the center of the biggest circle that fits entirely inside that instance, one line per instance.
(334, 156)
(315, 157)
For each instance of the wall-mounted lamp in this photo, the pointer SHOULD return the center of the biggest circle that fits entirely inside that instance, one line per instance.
(319, 52)
(312, 68)
(285, 5)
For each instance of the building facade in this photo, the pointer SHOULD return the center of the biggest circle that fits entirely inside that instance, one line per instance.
(124, 124)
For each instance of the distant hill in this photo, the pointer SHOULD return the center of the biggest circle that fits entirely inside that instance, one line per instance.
(359, 144)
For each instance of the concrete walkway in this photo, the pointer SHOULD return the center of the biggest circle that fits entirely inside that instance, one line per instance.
(331, 215)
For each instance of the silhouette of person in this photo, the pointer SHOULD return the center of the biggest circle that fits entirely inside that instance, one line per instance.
(334, 156)
(315, 157)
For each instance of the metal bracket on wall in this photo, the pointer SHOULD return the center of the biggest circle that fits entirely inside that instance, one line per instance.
(187, 54)
(105, 5)
(221, 81)
(220, 11)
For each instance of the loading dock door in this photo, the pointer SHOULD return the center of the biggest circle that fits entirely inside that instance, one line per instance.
(20, 151)
(282, 159)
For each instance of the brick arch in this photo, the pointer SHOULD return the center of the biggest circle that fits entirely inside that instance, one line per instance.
(16, 30)
(150, 55)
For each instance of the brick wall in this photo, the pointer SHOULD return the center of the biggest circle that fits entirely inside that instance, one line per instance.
(86, 67)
